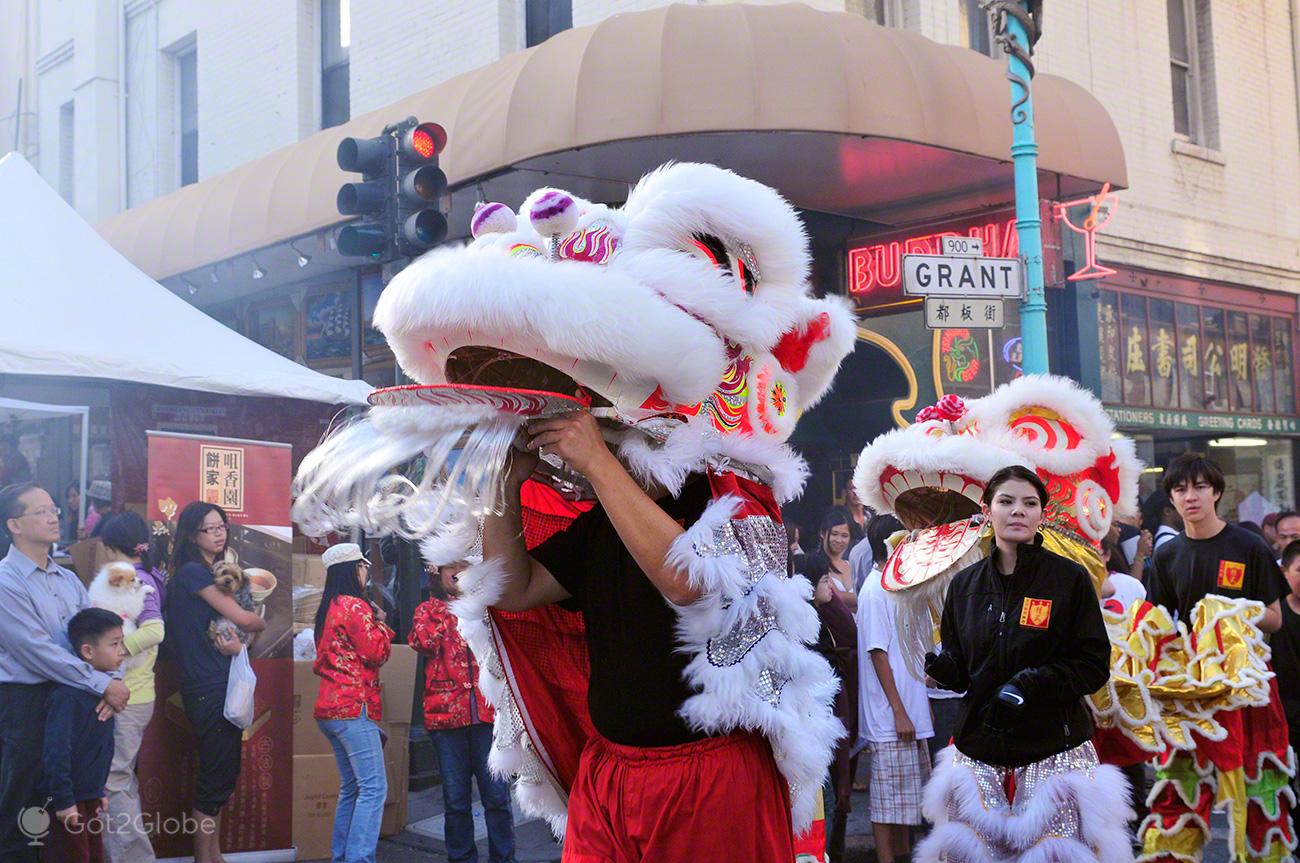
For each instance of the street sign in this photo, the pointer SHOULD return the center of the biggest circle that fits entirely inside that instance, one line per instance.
(947, 313)
(961, 246)
(946, 276)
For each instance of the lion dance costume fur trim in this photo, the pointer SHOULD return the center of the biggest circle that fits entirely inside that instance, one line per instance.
(685, 322)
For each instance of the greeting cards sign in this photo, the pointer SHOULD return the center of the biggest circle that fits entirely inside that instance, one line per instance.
(250, 480)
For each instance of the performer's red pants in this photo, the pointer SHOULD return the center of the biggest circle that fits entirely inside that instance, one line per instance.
(718, 799)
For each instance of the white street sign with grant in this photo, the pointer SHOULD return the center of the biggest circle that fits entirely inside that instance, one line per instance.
(946, 313)
(950, 276)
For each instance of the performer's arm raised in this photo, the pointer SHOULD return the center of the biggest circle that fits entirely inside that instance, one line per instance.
(646, 530)
(528, 583)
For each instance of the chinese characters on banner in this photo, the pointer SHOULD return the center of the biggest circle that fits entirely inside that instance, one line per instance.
(1278, 482)
(222, 476)
(250, 480)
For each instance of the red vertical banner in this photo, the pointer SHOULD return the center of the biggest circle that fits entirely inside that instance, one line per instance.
(251, 481)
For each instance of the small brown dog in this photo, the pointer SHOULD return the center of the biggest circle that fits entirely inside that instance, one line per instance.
(230, 580)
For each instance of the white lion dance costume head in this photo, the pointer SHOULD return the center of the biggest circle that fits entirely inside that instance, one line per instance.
(684, 322)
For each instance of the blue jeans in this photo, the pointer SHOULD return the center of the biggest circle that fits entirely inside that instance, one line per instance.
(462, 755)
(364, 787)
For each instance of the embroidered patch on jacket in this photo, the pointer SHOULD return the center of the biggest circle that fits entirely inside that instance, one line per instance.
(1231, 574)
(1036, 613)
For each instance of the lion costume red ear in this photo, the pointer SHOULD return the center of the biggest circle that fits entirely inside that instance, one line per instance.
(813, 348)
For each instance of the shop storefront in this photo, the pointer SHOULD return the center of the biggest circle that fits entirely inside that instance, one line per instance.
(1192, 365)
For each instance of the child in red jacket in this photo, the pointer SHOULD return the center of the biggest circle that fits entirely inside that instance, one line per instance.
(459, 723)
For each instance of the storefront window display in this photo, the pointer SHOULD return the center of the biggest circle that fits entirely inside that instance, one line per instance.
(1159, 353)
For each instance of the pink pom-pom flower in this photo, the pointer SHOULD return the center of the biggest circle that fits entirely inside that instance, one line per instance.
(950, 407)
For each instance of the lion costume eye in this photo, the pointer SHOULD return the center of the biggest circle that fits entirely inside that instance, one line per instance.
(714, 250)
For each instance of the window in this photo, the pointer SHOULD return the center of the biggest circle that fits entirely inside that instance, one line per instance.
(1191, 69)
(187, 88)
(1160, 353)
(886, 13)
(335, 37)
(545, 18)
(67, 152)
(979, 29)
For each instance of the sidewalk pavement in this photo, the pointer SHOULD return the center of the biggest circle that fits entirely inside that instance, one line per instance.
(422, 841)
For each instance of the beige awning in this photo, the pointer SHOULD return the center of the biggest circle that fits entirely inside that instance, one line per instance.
(839, 114)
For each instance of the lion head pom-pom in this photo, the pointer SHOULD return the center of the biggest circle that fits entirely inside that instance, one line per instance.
(554, 214)
(492, 218)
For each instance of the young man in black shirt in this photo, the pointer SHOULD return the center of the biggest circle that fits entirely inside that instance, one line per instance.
(649, 787)
(1212, 557)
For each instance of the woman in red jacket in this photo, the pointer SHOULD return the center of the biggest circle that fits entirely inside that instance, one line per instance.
(460, 725)
(352, 642)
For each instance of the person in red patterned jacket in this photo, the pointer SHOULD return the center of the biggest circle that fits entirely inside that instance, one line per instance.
(459, 722)
(352, 642)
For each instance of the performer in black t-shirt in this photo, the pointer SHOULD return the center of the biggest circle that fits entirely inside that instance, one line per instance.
(649, 787)
(1213, 558)
(1210, 555)
(1286, 647)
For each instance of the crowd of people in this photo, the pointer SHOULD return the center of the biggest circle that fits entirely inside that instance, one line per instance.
(1170, 554)
(77, 689)
(77, 685)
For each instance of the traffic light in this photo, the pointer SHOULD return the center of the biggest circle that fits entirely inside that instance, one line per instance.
(369, 199)
(400, 196)
(420, 224)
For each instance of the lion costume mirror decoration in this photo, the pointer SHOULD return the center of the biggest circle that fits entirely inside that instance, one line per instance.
(1177, 690)
(683, 320)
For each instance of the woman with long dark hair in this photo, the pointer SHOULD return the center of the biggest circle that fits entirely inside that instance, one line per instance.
(193, 603)
(830, 560)
(127, 539)
(1022, 635)
(352, 643)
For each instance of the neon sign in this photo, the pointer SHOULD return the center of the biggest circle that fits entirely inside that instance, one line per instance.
(875, 271)
(1103, 209)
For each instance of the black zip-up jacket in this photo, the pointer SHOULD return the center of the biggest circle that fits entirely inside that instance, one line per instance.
(999, 629)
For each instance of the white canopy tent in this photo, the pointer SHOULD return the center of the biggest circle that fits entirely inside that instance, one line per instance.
(13, 410)
(75, 307)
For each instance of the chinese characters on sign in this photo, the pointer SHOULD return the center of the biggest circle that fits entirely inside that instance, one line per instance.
(221, 478)
(1278, 473)
(943, 312)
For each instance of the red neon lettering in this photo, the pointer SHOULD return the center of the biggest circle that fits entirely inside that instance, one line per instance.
(880, 265)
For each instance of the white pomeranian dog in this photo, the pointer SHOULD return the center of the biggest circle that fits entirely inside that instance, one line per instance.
(119, 589)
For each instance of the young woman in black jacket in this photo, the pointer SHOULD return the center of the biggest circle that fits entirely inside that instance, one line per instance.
(1022, 635)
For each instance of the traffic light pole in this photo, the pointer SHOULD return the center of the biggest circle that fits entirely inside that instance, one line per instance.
(1017, 24)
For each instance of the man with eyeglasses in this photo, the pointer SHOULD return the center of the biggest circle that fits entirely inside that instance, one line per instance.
(37, 599)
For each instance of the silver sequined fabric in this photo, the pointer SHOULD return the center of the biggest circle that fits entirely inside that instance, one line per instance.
(729, 649)
(991, 781)
(770, 684)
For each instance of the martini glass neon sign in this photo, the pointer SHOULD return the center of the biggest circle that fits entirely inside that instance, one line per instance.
(1103, 209)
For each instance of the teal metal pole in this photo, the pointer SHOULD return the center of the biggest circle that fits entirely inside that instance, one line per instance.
(1017, 26)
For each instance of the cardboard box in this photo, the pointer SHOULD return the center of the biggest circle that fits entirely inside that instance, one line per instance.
(308, 569)
(315, 798)
(399, 677)
(88, 556)
(307, 736)
(397, 763)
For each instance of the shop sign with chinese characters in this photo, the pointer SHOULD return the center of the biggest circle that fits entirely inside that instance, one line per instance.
(946, 312)
(1148, 418)
(221, 479)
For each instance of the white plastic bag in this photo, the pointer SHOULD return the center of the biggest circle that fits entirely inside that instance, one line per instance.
(239, 690)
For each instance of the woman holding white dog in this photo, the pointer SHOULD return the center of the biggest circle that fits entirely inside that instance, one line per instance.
(352, 642)
(194, 605)
(126, 540)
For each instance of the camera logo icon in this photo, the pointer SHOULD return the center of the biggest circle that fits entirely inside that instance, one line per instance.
(34, 822)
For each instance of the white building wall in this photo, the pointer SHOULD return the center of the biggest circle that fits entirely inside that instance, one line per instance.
(1238, 208)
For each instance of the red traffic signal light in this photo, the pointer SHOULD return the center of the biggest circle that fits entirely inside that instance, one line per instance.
(425, 141)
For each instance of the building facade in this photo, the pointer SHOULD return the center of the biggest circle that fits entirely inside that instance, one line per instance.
(1190, 341)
